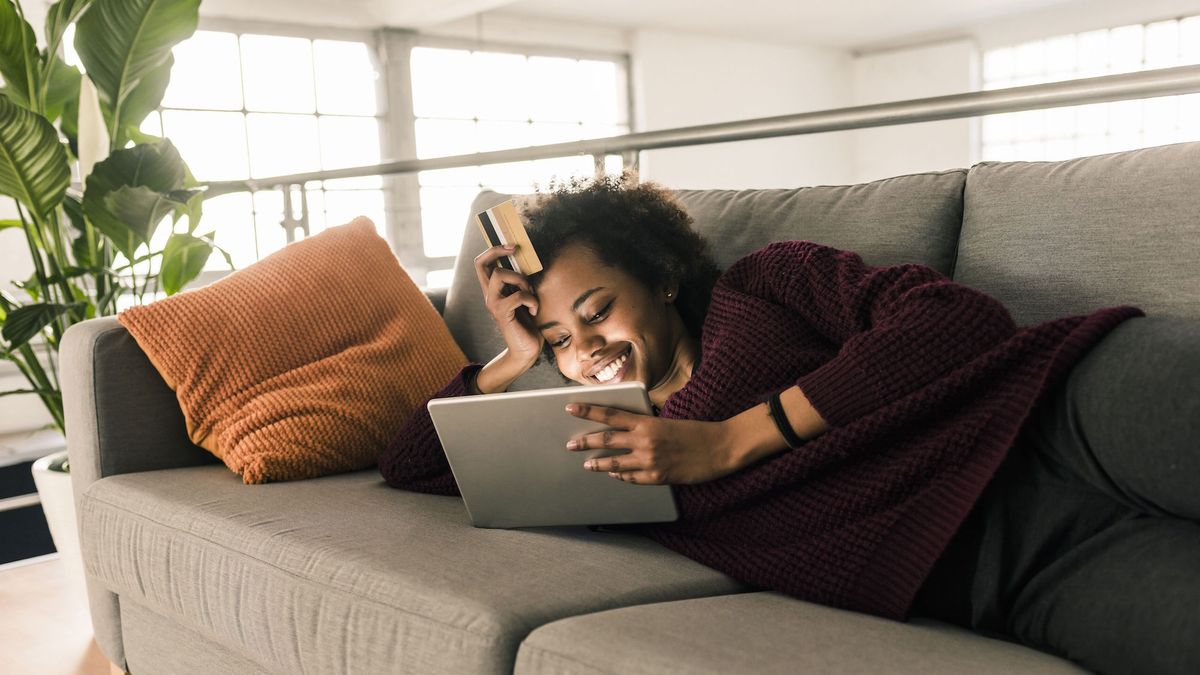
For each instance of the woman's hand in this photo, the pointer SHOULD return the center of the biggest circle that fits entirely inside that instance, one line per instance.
(521, 337)
(660, 450)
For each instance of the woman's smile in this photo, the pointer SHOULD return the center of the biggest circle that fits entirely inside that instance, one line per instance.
(613, 369)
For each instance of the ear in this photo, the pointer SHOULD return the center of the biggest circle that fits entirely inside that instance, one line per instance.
(671, 292)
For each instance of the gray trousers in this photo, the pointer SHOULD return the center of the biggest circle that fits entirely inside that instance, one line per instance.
(1086, 543)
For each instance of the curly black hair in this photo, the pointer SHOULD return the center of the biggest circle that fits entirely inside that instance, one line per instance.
(638, 227)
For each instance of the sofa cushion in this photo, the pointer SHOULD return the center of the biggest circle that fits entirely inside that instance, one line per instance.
(1051, 239)
(905, 219)
(344, 574)
(714, 635)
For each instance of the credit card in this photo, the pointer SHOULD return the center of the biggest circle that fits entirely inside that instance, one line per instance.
(501, 226)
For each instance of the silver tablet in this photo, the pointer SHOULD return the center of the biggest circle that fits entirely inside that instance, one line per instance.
(509, 457)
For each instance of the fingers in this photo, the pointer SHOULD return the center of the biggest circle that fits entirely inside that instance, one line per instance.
(639, 477)
(607, 439)
(508, 305)
(616, 463)
(486, 269)
(613, 417)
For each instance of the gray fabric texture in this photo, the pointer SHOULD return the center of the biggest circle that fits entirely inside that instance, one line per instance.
(344, 574)
(1052, 239)
(906, 219)
(765, 633)
(120, 417)
(158, 645)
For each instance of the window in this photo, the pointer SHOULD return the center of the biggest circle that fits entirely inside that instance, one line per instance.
(1061, 133)
(504, 100)
(242, 105)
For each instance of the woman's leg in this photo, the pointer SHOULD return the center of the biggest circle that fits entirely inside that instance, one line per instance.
(1089, 535)
(1127, 419)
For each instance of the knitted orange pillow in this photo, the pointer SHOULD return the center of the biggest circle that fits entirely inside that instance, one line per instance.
(305, 363)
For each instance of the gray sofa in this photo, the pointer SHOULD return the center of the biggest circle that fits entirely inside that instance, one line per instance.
(191, 571)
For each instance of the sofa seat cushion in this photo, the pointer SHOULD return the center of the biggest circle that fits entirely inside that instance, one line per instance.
(344, 574)
(766, 633)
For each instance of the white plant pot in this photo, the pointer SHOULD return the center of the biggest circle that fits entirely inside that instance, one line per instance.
(58, 502)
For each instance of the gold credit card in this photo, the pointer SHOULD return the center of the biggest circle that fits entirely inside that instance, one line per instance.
(501, 226)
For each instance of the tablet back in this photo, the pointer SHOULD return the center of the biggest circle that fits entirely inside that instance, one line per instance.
(509, 457)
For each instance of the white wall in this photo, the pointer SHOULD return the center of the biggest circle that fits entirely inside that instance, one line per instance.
(917, 72)
(685, 79)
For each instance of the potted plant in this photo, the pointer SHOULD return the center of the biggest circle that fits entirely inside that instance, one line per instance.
(90, 242)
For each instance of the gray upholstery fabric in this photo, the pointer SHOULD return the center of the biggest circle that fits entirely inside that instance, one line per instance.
(158, 645)
(344, 574)
(110, 393)
(1051, 239)
(911, 218)
(766, 633)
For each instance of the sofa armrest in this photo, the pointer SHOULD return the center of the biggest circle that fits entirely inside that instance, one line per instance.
(437, 296)
(121, 417)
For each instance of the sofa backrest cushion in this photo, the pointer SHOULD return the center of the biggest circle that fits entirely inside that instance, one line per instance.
(911, 218)
(1052, 239)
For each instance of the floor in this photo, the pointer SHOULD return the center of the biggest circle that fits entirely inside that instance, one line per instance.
(44, 622)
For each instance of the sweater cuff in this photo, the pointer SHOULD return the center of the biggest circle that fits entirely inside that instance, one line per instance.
(840, 391)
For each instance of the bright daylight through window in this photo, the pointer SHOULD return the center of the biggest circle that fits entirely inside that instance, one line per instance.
(1074, 131)
(504, 100)
(251, 106)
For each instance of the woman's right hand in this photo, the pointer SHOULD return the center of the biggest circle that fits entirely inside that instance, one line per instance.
(521, 337)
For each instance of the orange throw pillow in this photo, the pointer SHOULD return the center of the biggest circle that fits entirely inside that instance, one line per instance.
(305, 363)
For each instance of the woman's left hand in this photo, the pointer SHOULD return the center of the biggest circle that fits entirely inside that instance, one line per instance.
(660, 450)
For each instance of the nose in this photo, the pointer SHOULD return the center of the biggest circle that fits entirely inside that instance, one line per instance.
(590, 344)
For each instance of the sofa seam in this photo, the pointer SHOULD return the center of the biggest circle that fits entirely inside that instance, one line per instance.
(561, 656)
(289, 572)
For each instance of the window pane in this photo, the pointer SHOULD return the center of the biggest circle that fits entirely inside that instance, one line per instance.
(561, 169)
(1189, 40)
(599, 98)
(268, 214)
(346, 78)
(444, 214)
(496, 89)
(232, 216)
(212, 143)
(439, 278)
(342, 206)
(442, 83)
(206, 73)
(443, 138)
(553, 91)
(152, 124)
(1125, 49)
(464, 176)
(278, 73)
(1162, 44)
(999, 66)
(350, 141)
(282, 144)
(1093, 53)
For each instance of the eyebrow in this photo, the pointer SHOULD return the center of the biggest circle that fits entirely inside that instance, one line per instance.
(574, 306)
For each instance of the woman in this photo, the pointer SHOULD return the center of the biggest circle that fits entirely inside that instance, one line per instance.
(828, 426)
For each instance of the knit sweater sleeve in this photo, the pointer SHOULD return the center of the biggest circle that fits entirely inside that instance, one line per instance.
(414, 460)
(898, 328)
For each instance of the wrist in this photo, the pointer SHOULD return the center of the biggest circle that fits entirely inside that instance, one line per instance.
(500, 372)
(750, 436)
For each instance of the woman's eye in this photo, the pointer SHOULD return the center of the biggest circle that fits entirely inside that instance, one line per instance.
(600, 315)
(558, 343)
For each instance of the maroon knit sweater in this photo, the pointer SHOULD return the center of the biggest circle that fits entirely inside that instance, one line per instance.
(924, 383)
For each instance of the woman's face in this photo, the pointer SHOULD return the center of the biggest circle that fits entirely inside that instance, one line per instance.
(603, 324)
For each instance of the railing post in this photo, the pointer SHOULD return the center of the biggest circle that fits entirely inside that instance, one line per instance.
(630, 160)
(598, 165)
(290, 222)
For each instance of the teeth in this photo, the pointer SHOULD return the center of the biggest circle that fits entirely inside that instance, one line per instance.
(610, 371)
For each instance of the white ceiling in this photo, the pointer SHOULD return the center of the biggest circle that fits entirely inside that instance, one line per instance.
(856, 25)
(845, 24)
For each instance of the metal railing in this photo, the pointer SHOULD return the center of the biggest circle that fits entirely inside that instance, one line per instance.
(1144, 84)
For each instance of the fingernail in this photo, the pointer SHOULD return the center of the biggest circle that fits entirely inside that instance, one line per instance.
(572, 444)
(612, 474)
(571, 408)
(589, 465)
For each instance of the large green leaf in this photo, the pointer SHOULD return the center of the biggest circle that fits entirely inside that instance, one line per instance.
(18, 55)
(33, 163)
(25, 322)
(144, 99)
(183, 259)
(60, 15)
(132, 190)
(62, 89)
(123, 43)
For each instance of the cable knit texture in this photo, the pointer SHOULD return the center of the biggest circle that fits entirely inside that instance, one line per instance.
(305, 363)
(924, 382)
